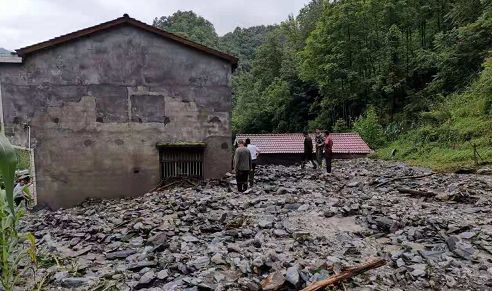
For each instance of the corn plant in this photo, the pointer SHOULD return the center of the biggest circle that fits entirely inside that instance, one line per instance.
(8, 163)
(15, 247)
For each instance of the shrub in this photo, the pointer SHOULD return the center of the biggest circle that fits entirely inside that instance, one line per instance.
(393, 130)
(369, 128)
(341, 126)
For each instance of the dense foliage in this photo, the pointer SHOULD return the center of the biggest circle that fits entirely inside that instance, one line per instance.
(191, 26)
(406, 59)
(337, 58)
(369, 128)
(243, 43)
(455, 134)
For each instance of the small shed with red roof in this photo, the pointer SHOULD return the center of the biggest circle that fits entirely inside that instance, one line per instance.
(288, 148)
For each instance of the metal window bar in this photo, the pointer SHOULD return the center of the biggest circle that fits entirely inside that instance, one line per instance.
(181, 162)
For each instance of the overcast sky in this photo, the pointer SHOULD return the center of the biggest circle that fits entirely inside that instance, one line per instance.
(26, 22)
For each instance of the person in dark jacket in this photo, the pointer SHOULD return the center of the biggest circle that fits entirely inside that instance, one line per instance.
(319, 140)
(242, 166)
(328, 151)
(308, 151)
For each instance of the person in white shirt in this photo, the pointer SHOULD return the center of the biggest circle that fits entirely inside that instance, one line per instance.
(23, 190)
(254, 155)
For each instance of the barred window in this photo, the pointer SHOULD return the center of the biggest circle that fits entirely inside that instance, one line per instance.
(181, 160)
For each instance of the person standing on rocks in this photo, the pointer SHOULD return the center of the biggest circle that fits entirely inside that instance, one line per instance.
(253, 149)
(242, 166)
(308, 151)
(328, 151)
(319, 140)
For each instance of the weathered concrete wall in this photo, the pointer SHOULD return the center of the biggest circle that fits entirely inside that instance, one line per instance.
(98, 106)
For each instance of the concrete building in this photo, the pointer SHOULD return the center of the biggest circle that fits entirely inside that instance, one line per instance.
(288, 148)
(110, 110)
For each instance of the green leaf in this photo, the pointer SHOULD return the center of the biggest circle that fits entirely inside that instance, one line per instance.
(32, 247)
(8, 163)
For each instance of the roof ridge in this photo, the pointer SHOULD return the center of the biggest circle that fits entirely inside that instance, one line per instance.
(292, 133)
(125, 19)
(293, 143)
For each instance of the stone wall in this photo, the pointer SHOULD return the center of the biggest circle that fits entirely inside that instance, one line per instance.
(97, 107)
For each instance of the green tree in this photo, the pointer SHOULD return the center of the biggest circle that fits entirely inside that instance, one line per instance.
(308, 17)
(244, 42)
(191, 26)
(273, 78)
(462, 50)
(337, 57)
(341, 126)
(369, 128)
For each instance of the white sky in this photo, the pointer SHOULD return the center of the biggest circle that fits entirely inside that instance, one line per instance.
(26, 22)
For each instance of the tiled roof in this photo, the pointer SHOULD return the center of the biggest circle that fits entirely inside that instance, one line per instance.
(290, 143)
(125, 20)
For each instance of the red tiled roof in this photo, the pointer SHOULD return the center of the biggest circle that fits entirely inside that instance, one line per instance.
(125, 20)
(291, 143)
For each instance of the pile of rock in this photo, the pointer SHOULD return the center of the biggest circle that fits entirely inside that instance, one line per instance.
(294, 228)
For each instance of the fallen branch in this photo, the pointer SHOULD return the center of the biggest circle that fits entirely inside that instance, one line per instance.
(403, 178)
(191, 183)
(169, 185)
(346, 274)
(419, 193)
(175, 182)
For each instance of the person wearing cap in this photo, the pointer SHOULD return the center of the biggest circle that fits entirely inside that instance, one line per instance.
(23, 190)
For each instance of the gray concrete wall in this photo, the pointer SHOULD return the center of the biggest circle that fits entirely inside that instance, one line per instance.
(98, 106)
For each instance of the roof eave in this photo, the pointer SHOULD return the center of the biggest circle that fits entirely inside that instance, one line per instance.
(119, 21)
(70, 36)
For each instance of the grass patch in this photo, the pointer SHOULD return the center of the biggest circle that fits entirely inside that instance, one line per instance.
(447, 147)
(441, 159)
(23, 159)
(450, 133)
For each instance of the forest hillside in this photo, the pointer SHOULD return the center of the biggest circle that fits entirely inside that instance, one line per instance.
(407, 75)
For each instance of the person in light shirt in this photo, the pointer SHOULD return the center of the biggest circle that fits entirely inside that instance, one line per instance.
(253, 149)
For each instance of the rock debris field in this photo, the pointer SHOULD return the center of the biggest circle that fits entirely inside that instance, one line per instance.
(295, 227)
